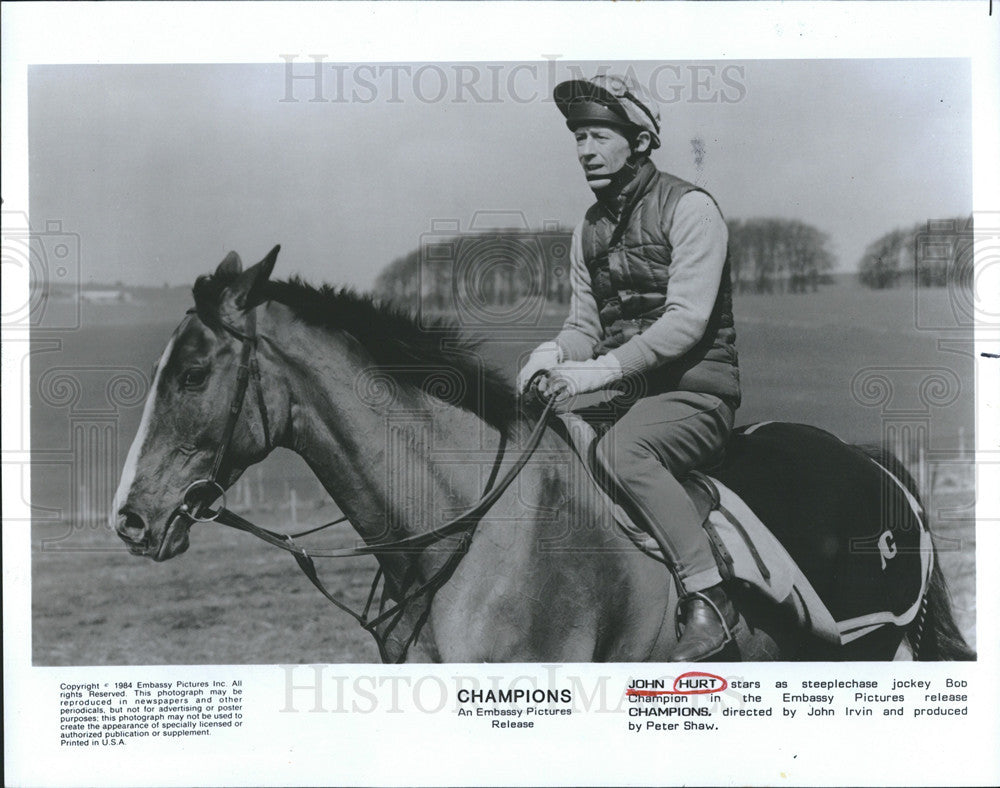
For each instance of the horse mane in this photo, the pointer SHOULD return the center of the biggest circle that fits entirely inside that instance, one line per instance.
(437, 358)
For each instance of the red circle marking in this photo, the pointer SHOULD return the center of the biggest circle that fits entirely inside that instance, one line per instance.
(675, 691)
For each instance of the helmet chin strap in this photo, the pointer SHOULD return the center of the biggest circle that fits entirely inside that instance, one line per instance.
(620, 179)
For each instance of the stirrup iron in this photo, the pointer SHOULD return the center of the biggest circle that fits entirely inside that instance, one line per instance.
(678, 631)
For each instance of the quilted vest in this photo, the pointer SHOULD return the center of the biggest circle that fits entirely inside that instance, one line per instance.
(628, 254)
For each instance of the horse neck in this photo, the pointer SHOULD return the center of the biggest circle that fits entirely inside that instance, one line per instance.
(369, 439)
(399, 462)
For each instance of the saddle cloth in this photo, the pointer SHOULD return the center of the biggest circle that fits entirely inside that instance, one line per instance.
(824, 554)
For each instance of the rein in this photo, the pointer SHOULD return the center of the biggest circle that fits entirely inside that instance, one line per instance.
(201, 493)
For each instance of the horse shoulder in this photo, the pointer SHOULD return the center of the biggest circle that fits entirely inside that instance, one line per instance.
(548, 577)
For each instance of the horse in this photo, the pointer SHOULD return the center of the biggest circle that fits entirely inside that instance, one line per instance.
(401, 423)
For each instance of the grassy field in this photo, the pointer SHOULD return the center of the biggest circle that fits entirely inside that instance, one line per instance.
(230, 599)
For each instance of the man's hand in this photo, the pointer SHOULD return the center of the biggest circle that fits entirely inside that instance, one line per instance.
(545, 356)
(579, 377)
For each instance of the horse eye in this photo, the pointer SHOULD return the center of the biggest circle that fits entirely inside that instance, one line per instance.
(194, 377)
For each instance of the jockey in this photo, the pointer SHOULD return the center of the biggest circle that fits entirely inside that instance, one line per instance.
(652, 302)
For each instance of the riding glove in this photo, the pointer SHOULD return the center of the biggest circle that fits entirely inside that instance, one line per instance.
(579, 377)
(545, 356)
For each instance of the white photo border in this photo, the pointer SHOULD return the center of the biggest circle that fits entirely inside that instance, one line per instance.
(403, 745)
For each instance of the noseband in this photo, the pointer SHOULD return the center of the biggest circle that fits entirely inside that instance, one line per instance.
(202, 493)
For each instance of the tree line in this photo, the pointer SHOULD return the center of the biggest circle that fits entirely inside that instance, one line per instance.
(778, 255)
(935, 253)
(508, 267)
(499, 268)
(767, 255)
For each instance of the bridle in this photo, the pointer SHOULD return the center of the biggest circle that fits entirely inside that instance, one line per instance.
(199, 495)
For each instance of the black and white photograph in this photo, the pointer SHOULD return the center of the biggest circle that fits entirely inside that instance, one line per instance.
(762, 307)
(673, 363)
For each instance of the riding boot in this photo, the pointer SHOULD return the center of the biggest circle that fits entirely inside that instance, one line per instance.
(709, 619)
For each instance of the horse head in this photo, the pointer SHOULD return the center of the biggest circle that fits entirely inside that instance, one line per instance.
(186, 452)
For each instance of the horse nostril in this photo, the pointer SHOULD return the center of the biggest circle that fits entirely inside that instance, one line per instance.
(131, 526)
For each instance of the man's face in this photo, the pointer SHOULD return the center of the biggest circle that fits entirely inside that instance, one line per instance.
(602, 151)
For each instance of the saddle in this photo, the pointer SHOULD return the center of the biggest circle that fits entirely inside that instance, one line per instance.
(797, 515)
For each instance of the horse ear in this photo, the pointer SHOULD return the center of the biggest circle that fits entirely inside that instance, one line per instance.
(248, 290)
(231, 266)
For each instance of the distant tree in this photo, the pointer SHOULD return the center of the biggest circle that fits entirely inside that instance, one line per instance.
(783, 255)
(810, 257)
(884, 261)
(937, 252)
(942, 252)
(400, 281)
(491, 268)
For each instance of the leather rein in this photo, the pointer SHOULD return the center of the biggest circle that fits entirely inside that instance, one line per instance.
(195, 507)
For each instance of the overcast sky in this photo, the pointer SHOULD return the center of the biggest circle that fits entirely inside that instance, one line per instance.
(162, 169)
